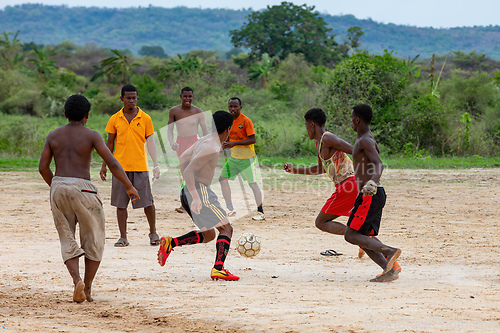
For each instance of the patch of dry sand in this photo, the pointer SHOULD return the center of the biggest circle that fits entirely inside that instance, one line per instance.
(446, 222)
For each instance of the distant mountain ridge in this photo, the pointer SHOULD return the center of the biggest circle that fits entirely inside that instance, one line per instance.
(181, 29)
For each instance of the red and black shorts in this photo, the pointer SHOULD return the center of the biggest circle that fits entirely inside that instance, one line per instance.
(367, 212)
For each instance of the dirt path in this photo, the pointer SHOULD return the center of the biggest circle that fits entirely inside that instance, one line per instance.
(447, 223)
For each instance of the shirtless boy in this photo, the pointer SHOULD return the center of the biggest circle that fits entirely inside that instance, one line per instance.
(197, 165)
(186, 118)
(73, 197)
(365, 217)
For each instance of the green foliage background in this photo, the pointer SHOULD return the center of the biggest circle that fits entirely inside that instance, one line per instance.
(444, 106)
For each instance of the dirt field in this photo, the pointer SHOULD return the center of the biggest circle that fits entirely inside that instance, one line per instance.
(446, 222)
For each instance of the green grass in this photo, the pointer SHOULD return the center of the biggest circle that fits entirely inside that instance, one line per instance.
(19, 164)
(442, 162)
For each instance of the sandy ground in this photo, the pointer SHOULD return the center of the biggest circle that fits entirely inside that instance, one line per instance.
(446, 222)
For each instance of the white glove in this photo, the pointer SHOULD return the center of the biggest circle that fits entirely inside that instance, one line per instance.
(370, 188)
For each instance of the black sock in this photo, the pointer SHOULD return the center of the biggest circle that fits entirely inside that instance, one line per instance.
(260, 210)
(229, 205)
(192, 237)
(222, 247)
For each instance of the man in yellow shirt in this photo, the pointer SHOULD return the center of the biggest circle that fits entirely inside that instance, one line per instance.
(132, 128)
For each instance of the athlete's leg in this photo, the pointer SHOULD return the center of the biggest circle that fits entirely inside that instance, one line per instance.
(91, 267)
(325, 222)
(150, 212)
(372, 244)
(122, 215)
(226, 191)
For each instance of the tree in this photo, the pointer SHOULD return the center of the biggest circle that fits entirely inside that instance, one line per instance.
(286, 28)
(185, 66)
(10, 51)
(43, 65)
(153, 51)
(260, 71)
(119, 67)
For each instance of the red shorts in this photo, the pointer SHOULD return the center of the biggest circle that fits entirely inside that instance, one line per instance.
(185, 142)
(342, 200)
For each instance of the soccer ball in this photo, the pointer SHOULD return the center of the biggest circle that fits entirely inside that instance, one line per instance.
(248, 245)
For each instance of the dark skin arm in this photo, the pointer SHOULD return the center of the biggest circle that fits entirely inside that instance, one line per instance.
(369, 155)
(44, 164)
(230, 144)
(331, 143)
(111, 147)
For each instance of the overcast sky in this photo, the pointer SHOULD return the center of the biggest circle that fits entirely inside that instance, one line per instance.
(420, 13)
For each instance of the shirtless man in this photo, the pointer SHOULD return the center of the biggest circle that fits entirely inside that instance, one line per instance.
(197, 165)
(73, 197)
(186, 118)
(365, 217)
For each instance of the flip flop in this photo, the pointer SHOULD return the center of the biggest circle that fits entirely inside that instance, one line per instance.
(154, 239)
(122, 242)
(329, 253)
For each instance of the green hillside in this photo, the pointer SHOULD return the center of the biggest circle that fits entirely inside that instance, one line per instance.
(181, 29)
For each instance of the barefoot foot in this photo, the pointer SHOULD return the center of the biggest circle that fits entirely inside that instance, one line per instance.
(88, 294)
(79, 294)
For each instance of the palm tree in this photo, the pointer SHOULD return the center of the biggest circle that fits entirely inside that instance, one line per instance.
(118, 67)
(11, 50)
(261, 71)
(43, 65)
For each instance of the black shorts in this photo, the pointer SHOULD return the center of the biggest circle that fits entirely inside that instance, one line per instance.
(367, 212)
(211, 211)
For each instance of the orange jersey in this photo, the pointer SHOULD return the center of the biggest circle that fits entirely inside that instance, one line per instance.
(130, 150)
(241, 130)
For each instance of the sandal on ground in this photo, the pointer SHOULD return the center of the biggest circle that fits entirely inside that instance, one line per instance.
(180, 210)
(329, 253)
(122, 242)
(154, 239)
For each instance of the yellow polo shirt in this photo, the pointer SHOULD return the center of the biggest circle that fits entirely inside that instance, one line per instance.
(131, 139)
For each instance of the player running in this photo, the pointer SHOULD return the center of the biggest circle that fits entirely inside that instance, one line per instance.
(365, 217)
(197, 165)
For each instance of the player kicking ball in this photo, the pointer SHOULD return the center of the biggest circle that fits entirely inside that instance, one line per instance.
(365, 217)
(197, 166)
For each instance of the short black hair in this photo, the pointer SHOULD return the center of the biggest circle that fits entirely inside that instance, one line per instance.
(222, 120)
(234, 99)
(128, 87)
(186, 89)
(316, 115)
(363, 111)
(76, 107)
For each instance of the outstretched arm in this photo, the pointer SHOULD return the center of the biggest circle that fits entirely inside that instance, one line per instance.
(44, 164)
(312, 170)
(114, 166)
(150, 143)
